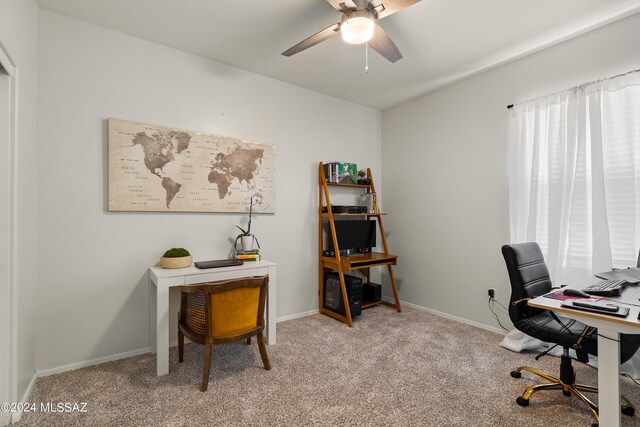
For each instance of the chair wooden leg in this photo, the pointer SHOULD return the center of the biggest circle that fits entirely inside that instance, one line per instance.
(263, 352)
(180, 346)
(207, 367)
(249, 341)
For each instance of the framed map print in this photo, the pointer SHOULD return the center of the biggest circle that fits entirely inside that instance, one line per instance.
(158, 169)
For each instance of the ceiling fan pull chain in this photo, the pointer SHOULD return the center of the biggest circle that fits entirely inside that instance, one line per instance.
(366, 57)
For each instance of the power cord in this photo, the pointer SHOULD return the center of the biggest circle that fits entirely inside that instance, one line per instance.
(491, 308)
(495, 301)
(622, 374)
(610, 339)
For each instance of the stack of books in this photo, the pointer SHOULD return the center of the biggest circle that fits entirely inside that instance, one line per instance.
(248, 255)
(343, 173)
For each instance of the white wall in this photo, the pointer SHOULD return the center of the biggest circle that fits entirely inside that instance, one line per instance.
(445, 162)
(93, 289)
(18, 38)
(6, 323)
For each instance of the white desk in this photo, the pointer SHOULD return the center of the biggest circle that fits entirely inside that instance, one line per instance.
(609, 330)
(163, 279)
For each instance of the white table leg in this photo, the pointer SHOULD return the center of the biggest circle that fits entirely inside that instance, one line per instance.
(153, 310)
(609, 377)
(271, 307)
(162, 329)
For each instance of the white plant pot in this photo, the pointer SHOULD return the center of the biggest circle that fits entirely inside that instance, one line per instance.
(247, 242)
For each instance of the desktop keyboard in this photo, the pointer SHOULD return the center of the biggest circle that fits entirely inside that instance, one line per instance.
(606, 288)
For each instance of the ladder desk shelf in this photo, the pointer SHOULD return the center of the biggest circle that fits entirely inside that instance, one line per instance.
(346, 264)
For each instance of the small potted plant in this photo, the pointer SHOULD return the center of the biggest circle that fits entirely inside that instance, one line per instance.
(246, 238)
(176, 258)
(361, 177)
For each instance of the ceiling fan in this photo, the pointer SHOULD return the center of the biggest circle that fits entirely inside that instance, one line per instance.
(358, 25)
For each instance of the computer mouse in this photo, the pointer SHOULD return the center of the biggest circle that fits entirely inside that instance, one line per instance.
(571, 292)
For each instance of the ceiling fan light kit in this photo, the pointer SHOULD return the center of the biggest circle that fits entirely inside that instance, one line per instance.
(359, 25)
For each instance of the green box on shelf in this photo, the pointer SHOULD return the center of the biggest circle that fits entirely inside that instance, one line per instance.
(347, 173)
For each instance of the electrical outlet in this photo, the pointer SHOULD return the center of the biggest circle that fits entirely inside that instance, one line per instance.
(491, 292)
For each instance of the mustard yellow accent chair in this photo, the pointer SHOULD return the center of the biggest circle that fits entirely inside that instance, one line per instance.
(223, 312)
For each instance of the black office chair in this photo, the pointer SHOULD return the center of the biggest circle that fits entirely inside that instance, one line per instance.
(529, 278)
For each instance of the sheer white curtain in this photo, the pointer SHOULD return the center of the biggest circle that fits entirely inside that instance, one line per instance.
(575, 176)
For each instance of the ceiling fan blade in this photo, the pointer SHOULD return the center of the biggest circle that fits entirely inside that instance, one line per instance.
(342, 5)
(384, 8)
(383, 44)
(318, 37)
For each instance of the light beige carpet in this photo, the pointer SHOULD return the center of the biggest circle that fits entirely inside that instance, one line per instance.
(406, 369)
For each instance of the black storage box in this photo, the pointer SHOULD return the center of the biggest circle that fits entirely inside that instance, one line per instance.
(372, 292)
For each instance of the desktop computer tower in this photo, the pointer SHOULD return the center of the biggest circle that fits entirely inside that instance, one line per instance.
(333, 294)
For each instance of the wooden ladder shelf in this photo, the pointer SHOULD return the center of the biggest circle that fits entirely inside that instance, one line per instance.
(345, 264)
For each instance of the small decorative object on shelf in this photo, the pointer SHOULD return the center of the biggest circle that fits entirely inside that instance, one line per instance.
(362, 180)
(176, 258)
(370, 200)
(347, 173)
(246, 238)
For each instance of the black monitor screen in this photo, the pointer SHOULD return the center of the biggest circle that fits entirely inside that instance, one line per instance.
(354, 234)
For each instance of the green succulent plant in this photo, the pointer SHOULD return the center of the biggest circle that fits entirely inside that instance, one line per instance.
(176, 253)
(245, 232)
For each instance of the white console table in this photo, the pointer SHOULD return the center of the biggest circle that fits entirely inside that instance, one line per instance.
(163, 279)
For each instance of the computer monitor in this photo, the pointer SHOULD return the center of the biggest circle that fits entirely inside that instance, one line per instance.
(354, 235)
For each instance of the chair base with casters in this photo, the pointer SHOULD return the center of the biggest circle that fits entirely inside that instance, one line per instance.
(220, 313)
(567, 384)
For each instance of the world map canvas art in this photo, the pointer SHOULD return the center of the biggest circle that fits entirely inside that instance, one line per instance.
(158, 169)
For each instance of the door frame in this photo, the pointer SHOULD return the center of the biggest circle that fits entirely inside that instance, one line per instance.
(10, 371)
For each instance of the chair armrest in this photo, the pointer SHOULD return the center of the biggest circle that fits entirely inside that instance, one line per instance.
(521, 300)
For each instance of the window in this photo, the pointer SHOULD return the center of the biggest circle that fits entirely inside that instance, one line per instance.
(575, 176)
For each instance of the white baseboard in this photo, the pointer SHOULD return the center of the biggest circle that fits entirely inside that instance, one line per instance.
(97, 361)
(17, 416)
(297, 315)
(448, 316)
(83, 364)
(174, 343)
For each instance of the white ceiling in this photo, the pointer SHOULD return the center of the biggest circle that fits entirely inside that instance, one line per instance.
(441, 40)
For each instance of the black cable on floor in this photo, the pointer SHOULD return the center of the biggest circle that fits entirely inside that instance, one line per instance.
(496, 315)
(630, 377)
(622, 374)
